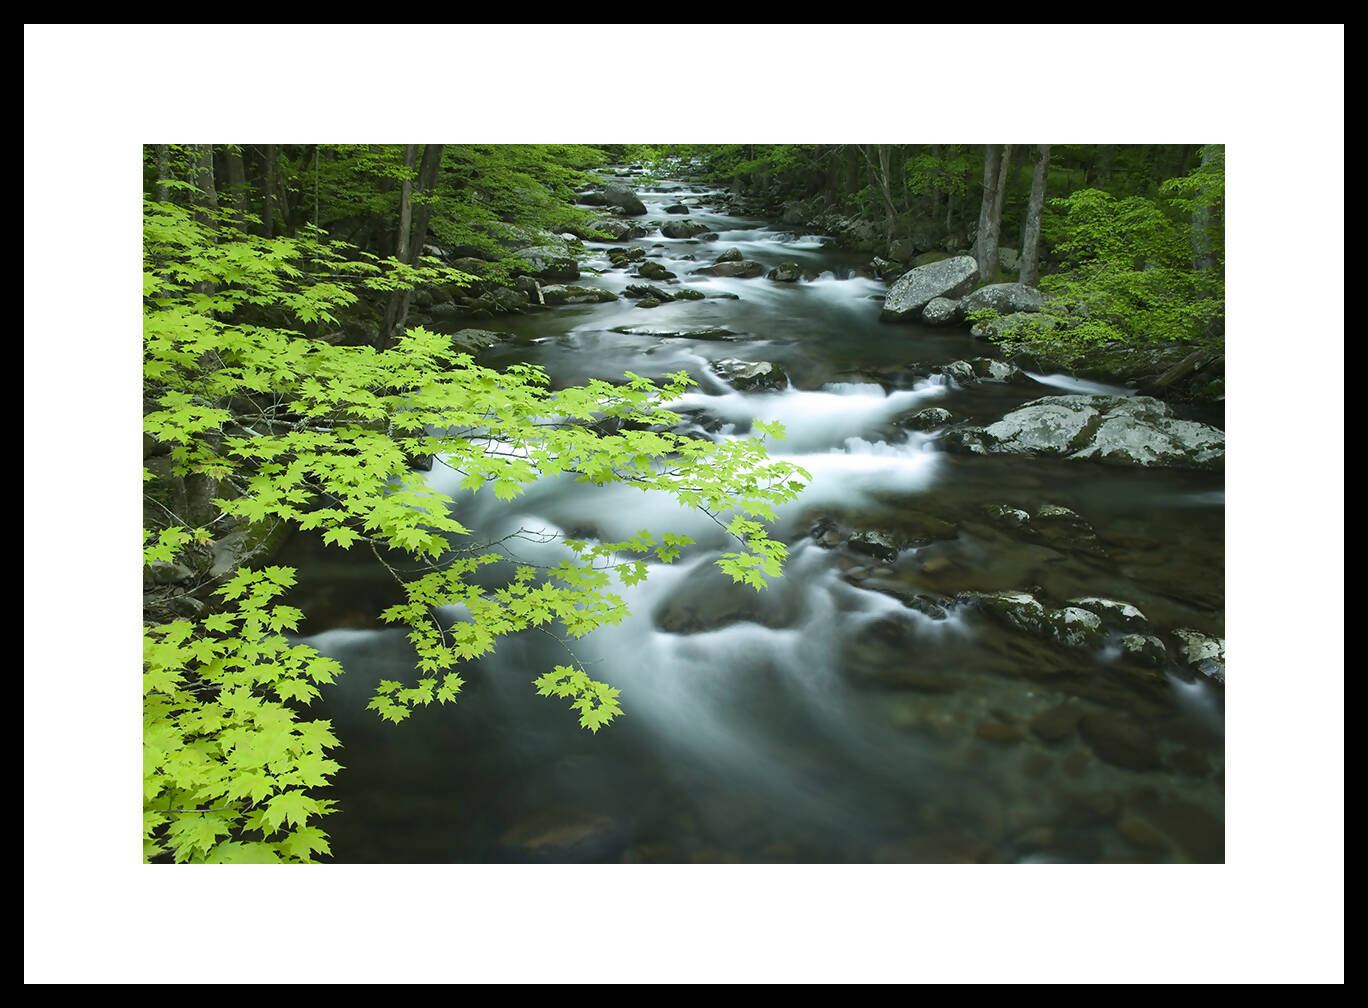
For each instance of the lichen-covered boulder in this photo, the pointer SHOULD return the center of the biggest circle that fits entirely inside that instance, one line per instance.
(927, 419)
(1005, 298)
(787, 272)
(654, 271)
(1201, 653)
(1120, 615)
(942, 311)
(949, 278)
(1120, 430)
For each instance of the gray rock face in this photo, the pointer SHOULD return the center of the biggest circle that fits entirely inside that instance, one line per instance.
(682, 229)
(618, 195)
(942, 311)
(1005, 298)
(913, 291)
(1134, 431)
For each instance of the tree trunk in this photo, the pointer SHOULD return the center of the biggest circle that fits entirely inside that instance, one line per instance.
(1030, 231)
(396, 313)
(237, 178)
(1203, 261)
(204, 176)
(401, 240)
(163, 168)
(268, 213)
(995, 164)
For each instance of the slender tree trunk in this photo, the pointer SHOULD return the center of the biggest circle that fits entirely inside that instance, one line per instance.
(995, 164)
(237, 179)
(163, 172)
(268, 212)
(1030, 231)
(401, 240)
(204, 176)
(1203, 260)
(396, 313)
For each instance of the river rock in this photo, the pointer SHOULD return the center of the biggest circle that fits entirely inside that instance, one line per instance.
(1118, 615)
(901, 250)
(1143, 649)
(559, 294)
(688, 294)
(682, 229)
(745, 269)
(618, 230)
(647, 291)
(1075, 627)
(1057, 723)
(548, 263)
(927, 419)
(1017, 325)
(942, 311)
(787, 272)
(677, 208)
(1118, 430)
(948, 278)
(472, 341)
(654, 271)
(1003, 514)
(988, 369)
(731, 255)
(1202, 653)
(1005, 299)
(618, 195)
(751, 376)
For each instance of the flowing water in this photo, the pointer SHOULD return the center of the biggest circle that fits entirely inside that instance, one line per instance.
(822, 720)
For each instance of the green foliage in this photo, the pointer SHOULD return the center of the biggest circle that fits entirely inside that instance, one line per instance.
(1130, 268)
(294, 429)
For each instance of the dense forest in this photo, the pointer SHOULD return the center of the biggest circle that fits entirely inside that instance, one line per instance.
(307, 340)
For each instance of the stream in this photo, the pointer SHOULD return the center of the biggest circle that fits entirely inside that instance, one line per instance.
(854, 711)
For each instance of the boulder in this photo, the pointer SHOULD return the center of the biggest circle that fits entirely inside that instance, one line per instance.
(1114, 614)
(618, 230)
(1118, 430)
(948, 278)
(927, 419)
(548, 263)
(618, 195)
(559, 294)
(993, 370)
(1005, 299)
(682, 229)
(1143, 649)
(647, 291)
(472, 341)
(1201, 653)
(731, 255)
(751, 376)
(654, 271)
(745, 268)
(677, 208)
(942, 311)
(787, 272)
